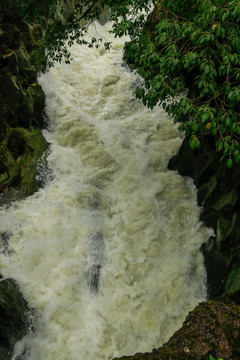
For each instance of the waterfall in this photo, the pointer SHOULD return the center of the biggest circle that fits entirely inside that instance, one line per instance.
(107, 253)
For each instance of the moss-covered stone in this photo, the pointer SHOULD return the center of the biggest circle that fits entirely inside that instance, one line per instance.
(22, 103)
(19, 155)
(28, 161)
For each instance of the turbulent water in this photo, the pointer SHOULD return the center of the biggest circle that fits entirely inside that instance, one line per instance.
(107, 253)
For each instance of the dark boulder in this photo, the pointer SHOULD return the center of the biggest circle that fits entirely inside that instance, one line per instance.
(13, 317)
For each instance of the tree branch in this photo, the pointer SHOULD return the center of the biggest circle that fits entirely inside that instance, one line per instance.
(86, 12)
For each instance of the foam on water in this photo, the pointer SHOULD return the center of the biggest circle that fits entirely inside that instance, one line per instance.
(108, 252)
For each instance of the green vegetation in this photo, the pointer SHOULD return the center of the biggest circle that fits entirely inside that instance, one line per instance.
(182, 46)
(212, 358)
(194, 47)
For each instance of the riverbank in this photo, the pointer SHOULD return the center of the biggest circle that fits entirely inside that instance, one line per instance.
(22, 102)
(22, 146)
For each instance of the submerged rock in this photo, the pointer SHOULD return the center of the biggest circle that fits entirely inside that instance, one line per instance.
(212, 328)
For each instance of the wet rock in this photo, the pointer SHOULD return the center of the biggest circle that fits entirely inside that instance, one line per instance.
(96, 250)
(19, 160)
(10, 91)
(13, 311)
(94, 278)
(212, 328)
(22, 102)
(219, 196)
(9, 12)
(9, 37)
(4, 239)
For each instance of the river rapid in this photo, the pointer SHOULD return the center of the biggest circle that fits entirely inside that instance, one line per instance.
(107, 253)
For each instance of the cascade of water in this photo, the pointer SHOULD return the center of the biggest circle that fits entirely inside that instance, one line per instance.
(108, 252)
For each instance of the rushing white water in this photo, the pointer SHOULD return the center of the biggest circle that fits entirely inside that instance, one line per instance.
(108, 252)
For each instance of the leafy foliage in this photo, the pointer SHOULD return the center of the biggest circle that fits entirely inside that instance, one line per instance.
(212, 358)
(63, 22)
(195, 47)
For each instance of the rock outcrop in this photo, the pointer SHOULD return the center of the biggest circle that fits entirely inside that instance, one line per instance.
(13, 313)
(212, 328)
(21, 146)
(21, 102)
(219, 195)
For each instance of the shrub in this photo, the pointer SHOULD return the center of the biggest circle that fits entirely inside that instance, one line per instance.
(195, 47)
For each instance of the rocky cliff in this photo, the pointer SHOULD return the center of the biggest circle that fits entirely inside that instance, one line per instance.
(219, 195)
(21, 103)
(21, 147)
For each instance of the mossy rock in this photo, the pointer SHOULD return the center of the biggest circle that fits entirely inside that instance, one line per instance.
(18, 62)
(10, 90)
(19, 156)
(10, 37)
(39, 103)
(37, 145)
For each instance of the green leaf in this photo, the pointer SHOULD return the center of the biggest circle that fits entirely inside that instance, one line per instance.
(229, 163)
(220, 146)
(236, 156)
(194, 142)
(206, 69)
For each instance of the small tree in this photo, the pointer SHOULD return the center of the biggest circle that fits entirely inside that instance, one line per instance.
(196, 47)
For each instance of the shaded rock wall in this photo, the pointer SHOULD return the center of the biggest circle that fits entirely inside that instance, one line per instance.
(21, 147)
(21, 102)
(219, 195)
